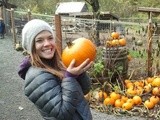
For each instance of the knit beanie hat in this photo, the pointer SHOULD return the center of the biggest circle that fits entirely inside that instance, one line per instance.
(31, 30)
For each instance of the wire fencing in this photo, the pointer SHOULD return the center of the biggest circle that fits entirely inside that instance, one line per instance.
(73, 27)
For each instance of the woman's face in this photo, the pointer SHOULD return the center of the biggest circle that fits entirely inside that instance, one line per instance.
(45, 45)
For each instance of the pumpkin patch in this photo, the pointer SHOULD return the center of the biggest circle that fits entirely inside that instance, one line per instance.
(137, 94)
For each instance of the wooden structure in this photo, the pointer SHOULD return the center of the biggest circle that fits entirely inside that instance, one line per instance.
(150, 11)
(102, 16)
(5, 4)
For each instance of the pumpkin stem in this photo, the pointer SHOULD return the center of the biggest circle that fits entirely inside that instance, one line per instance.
(69, 43)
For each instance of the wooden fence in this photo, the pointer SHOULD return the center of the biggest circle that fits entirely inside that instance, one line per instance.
(15, 21)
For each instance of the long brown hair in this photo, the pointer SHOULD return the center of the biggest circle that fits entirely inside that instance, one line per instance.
(57, 67)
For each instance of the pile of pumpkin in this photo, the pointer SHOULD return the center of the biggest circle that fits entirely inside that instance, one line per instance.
(137, 93)
(115, 40)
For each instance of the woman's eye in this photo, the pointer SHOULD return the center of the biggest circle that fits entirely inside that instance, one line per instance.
(50, 38)
(39, 41)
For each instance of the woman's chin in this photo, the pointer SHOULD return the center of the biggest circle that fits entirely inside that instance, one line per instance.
(47, 56)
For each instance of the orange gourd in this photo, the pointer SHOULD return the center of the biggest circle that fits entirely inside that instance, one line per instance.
(109, 101)
(147, 88)
(114, 43)
(124, 98)
(156, 91)
(156, 82)
(118, 103)
(130, 100)
(102, 95)
(154, 99)
(122, 42)
(115, 35)
(149, 104)
(129, 85)
(80, 49)
(131, 91)
(137, 100)
(127, 106)
(115, 95)
(150, 79)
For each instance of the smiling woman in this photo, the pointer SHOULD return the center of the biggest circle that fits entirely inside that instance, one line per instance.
(58, 92)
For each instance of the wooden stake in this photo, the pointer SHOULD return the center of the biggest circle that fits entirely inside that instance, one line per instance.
(13, 26)
(58, 33)
(29, 15)
(149, 49)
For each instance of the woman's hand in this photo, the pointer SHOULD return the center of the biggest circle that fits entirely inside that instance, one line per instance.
(79, 69)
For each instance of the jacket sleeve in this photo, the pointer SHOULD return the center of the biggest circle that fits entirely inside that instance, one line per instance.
(57, 98)
(84, 82)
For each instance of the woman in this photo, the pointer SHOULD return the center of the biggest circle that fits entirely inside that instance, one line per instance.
(56, 91)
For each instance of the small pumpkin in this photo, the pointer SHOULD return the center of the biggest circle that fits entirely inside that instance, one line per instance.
(79, 49)
(137, 100)
(115, 35)
(102, 95)
(147, 88)
(156, 91)
(127, 106)
(122, 42)
(131, 91)
(149, 104)
(124, 98)
(109, 101)
(149, 79)
(154, 99)
(156, 82)
(115, 43)
(115, 95)
(130, 100)
(118, 103)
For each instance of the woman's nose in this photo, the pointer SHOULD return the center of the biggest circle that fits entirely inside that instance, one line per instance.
(46, 42)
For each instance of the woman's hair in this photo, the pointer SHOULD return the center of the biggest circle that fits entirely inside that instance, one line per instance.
(57, 67)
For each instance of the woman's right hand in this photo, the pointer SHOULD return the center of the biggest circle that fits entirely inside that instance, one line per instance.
(79, 69)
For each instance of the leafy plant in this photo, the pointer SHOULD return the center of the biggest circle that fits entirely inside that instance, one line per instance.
(98, 67)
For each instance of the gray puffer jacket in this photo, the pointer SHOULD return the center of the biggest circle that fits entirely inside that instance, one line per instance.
(58, 99)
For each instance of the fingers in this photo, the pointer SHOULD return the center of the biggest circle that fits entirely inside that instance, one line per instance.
(71, 65)
(88, 66)
(84, 63)
(79, 69)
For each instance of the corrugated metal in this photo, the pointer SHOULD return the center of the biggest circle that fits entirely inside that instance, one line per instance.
(71, 7)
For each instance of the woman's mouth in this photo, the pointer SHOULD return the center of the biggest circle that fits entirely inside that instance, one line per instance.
(47, 50)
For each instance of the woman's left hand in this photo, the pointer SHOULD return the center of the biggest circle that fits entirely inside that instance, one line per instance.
(79, 69)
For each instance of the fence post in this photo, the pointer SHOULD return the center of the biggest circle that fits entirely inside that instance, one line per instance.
(13, 26)
(58, 33)
(29, 15)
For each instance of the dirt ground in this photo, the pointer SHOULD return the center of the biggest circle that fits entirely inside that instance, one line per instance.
(13, 104)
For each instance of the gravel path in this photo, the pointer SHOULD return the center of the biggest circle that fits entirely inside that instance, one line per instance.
(13, 104)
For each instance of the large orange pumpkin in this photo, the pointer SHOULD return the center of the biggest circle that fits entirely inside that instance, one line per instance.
(79, 49)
